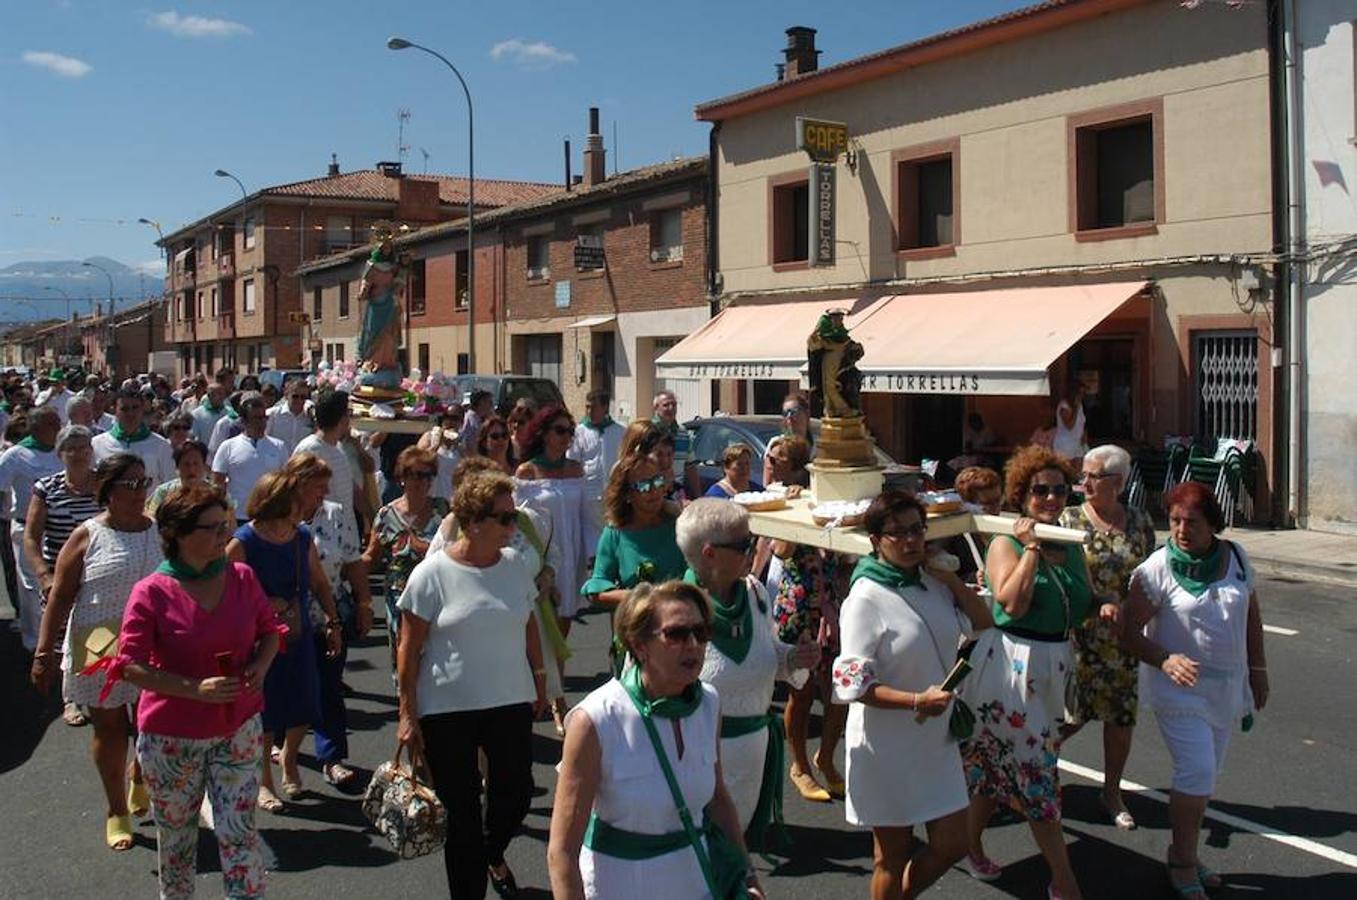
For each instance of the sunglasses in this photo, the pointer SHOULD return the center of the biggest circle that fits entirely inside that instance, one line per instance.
(563, 430)
(744, 545)
(422, 475)
(649, 484)
(135, 484)
(791, 413)
(1042, 491)
(504, 518)
(681, 634)
(222, 527)
(179, 428)
(916, 530)
(497, 436)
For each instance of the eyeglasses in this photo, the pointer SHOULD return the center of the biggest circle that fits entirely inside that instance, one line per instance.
(135, 484)
(497, 436)
(917, 530)
(563, 430)
(504, 518)
(422, 475)
(791, 412)
(647, 485)
(681, 634)
(743, 545)
(1042, 491)
(222, 527)
(1096, 476)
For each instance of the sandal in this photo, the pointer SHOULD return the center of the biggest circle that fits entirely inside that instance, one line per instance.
(1120, 818)
(807, 786)
(118, 833)
(833, 780)
(138, 799)
(981, 868)
(1209, 879)
(268, 801)
(504, 885)
(337, 774)
(292, 790)
(1193, 888)
(72, 716)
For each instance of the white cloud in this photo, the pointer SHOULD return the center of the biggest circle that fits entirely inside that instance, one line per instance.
(151, 267)
(195, 26)
(66, 66)
(532, 55)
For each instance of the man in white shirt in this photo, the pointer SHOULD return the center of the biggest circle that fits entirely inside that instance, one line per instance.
(596, 445)
(99, 399)
(480, 406)
(229, 425)
(213, 407)
(291, 421)
(130, 434)
(55, 396)
(242, 460)
(20, 466)
(332, 425)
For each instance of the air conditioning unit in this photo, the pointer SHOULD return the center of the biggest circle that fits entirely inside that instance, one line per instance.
(536, 272)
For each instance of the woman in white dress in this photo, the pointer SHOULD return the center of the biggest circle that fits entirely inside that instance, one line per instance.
(95, 572)
(616, 830)
(552, 485)
(1193, 621)
(744, 658)
(900, 630)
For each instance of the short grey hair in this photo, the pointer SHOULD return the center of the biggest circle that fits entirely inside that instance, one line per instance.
(79, 401)
(1112, 458)
(250, 400)
(660, 395)
(43, 412)
(708, 520)
(71, 433)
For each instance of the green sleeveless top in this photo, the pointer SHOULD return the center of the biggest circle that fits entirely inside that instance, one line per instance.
(1046, 615)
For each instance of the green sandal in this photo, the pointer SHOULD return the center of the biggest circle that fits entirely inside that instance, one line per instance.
(1192, 889)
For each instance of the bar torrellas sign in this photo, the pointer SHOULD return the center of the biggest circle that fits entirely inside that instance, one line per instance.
(823, 141)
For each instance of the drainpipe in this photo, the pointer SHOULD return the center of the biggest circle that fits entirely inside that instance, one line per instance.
(714, 285)
(1295, 249)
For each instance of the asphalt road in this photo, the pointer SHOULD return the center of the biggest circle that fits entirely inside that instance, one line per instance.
(1287, 802)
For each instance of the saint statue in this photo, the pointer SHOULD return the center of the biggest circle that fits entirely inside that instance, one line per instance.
(835, 381)
(379, 338)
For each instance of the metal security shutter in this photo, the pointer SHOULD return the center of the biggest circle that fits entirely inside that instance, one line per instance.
(543, 355)
(1226, 366)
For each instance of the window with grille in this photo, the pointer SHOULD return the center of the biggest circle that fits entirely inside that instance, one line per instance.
(1226, 384)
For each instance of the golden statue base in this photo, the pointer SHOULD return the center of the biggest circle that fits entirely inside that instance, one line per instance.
(845, 466)
(368, 394)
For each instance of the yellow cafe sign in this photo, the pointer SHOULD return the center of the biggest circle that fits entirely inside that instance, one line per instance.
(823, 141)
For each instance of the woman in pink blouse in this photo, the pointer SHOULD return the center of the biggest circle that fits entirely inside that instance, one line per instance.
(197, 637)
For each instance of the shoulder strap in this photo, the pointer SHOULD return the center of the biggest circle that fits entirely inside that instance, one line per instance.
(686, 817)
(1064, 596)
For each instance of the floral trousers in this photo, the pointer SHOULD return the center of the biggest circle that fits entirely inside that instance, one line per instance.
(177, 772)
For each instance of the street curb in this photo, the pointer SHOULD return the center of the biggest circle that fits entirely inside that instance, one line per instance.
(1303, 571)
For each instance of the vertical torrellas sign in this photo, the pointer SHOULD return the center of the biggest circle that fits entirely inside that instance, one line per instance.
(822, 178)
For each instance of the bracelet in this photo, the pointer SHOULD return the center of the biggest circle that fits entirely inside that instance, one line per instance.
(1035, 545)
(914, 702)
(542, 672)
(1257, 668)
(42, 654)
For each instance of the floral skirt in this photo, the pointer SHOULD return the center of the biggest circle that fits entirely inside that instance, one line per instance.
(1017, 692)
(1106, 679)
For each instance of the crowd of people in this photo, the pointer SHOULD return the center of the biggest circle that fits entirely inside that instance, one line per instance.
(190, 566)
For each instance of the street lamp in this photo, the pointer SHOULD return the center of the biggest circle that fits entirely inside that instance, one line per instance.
(396, 43)
(160, 235)
(91, 265)
(222, 173)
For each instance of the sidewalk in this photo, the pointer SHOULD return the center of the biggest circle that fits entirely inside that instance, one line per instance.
(1296, 553)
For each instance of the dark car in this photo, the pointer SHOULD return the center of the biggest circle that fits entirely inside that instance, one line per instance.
(713, 435)
(507, 389)
(279, 377)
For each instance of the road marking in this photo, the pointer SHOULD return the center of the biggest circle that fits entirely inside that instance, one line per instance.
(1277, 629)
(1267, 831)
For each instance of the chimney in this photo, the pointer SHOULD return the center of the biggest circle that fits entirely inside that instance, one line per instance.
(389, 169)
(595, 167)
(567, 164)
(781, 70)
(800, 53)
(334, 165)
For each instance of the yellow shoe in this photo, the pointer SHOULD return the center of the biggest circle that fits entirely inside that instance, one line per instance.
(138, 799)
(833, 780)
(118, 833)
(807, 786)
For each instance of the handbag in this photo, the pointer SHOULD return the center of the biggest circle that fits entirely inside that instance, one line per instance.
(94, 643)
(291, 616)
(404, 809)
(1071, 683)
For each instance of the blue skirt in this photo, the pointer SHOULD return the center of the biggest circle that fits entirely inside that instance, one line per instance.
(292, 686)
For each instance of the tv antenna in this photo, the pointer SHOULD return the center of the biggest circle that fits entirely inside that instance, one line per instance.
(426, 159)
(402, 116)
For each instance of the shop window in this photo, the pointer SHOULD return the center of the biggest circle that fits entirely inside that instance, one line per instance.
(539, 258)
(317, 304)
(1117, 179)
(418, 287)
(666, 236)
(248, 306)
(791, 221)
(343, 300)
(926, 202)
(459, 280)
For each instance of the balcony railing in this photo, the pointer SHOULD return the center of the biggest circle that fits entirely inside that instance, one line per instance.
(226, 267)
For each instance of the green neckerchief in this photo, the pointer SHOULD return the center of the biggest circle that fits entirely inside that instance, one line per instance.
(884, 574)
(671, 427)
(231, 412)
(123, 437)
(182, 571)
(601, 426)
(679, 707)
(207, 405)
(31, 442)
(1193, 573)
(5, 406)
(732, 627)
(542, 462)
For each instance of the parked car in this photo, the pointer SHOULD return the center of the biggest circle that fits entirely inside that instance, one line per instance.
(279, 377)
(507, 389)
(711, 436)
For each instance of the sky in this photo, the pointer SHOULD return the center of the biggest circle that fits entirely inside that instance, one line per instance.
(114, 110)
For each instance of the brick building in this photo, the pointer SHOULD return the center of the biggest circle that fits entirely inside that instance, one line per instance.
(593, 317)
(231, 279)
(120, 345)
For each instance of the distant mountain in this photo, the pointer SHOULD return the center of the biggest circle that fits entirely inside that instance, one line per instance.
(42, 283)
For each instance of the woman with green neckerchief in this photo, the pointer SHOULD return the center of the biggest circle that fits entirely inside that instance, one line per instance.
(641, 805)
(552, 485)
(900, 628)
(1023, 666)
(744, 659)
(1193, 621)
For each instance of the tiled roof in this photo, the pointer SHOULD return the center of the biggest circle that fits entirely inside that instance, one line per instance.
(904, 55)
(623, 182)
(370, 184)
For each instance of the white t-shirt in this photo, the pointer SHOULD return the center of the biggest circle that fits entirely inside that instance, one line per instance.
(55, 399)
(475, 655)
(244, 460)
(153, 450)
(1069, 442)
(341, 470)
(20, 467)
(290, 428)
